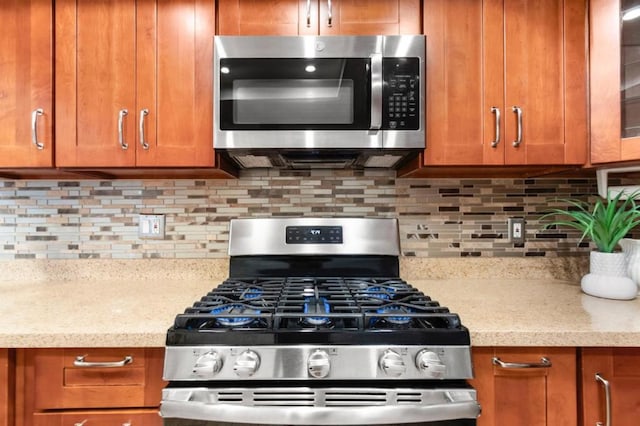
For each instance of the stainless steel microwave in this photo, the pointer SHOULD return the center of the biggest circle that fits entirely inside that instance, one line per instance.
(319, 101)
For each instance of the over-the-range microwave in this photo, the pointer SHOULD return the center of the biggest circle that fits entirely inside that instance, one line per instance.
(319, 101)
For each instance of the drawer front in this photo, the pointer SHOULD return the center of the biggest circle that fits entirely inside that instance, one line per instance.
(96, 377)
(96, 418)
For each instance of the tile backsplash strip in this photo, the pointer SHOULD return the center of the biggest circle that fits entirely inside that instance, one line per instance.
(438, 217)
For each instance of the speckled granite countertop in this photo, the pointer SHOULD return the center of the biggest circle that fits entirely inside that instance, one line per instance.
(62, 306)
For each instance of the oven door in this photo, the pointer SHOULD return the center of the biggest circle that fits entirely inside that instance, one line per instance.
(319, 406)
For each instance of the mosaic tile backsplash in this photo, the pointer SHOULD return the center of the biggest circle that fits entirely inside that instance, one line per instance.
(438, 217)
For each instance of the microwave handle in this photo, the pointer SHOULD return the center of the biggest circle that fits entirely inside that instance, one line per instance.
(376, 91)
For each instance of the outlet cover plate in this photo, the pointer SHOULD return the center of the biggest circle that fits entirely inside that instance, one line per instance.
(151, 226)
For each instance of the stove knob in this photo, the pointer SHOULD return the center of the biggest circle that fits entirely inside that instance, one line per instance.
(319, 364)
(392, 363)
(208, 365)
(430, 364)
(246, 364)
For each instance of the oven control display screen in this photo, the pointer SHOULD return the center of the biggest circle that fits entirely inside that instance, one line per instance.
(314, 234)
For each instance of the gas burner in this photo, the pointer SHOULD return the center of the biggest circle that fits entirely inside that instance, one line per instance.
(313, 305)
(251, 293)
(380, 292)
(236, 320)
(396, 320)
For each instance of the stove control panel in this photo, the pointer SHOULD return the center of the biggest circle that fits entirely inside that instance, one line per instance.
(314, 234)
(317, 362)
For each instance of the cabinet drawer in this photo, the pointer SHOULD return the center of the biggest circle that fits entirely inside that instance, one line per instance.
(96, 418)
(96, 377)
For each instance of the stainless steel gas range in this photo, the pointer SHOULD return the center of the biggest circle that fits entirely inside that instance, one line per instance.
(315, 327)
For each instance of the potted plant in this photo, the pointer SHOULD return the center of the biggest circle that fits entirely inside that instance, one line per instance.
(605, 222)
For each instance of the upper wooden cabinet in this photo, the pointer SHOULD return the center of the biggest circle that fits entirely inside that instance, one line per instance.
(311, 17)
(506, 82)
(525, 390)
(614, 54)
(134, 83)
(619, 370)
(26, 83)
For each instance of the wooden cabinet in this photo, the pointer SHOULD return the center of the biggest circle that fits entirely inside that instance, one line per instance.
(134, 83)
(302, 17)
(512, 395)
(620, 367)
(607, 141)
(62, 386)
(7, 396)
(26, 83)
(487, 58)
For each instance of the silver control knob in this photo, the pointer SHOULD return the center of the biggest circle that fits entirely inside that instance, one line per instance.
(318, 364)
(430, 364)
(246, 364)
(392, 363)
(208, 365)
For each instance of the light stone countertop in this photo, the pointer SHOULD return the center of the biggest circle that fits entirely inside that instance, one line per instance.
(114, 312)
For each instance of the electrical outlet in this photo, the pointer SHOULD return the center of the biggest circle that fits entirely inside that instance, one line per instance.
(516, 229)
(151, 226)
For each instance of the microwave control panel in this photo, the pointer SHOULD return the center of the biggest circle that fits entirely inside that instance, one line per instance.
(401, 94)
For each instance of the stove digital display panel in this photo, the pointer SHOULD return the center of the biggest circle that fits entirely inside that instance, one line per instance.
(314, 234)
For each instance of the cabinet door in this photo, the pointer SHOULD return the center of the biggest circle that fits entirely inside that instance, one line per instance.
(174, 83)
(95, 83)
(526, 396)
(621, 368)
(267, 17)
(545, 66)
(455, 95)
(96, 418)
(369, 17)
(607, 144)
(26, 82)
(7, 397)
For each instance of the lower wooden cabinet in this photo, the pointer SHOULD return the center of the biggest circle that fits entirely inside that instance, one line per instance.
(532, 386)
(109, 386)
(618, 373)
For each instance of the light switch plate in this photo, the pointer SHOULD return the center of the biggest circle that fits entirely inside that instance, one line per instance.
(516, 229)
(151, 226)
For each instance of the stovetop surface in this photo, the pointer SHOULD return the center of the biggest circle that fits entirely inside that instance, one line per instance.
(316, 310)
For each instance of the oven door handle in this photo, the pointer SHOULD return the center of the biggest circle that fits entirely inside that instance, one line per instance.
(376, 91)
(458, 405)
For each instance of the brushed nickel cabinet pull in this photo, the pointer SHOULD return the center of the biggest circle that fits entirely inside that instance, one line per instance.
(82, 423)
(329, 13)
(308, 13)
(143, 114)
(496, 113)
(607, 400)
(80, 362)
(518, 112)
(34, 127)
(544, 363)
(121, 115)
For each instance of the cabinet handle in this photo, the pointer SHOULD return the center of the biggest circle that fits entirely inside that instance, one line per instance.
(607, 400)
(518, 112)
(308, 13)
(544, 363)
(121, 115)
(82, 423)
(329, 13)
(143, 114)
(34, 127)
(496, 112)
(80, 362)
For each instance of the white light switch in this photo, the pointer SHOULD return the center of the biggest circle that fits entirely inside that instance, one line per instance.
(151, 226)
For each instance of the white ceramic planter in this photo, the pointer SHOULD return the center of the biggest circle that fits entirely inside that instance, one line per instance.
(608, 278)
